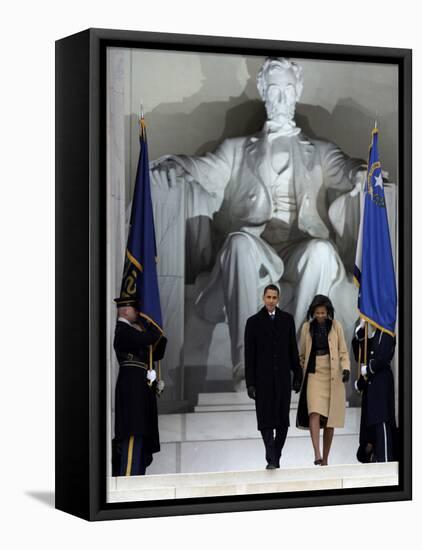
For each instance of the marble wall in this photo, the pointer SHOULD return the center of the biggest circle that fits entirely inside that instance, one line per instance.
(193, 101)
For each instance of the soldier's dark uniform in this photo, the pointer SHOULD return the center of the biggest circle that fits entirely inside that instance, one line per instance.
(136, 419)
(378, 424)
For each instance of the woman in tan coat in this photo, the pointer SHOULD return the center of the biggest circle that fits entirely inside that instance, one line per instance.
(325, 360)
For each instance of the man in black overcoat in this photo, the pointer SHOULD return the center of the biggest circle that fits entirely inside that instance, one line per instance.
(136, 418)
(377, 435)
(270, 354)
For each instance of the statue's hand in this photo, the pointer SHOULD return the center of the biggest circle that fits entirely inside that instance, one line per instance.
(165, 171)
(359, 182)
(360, 178)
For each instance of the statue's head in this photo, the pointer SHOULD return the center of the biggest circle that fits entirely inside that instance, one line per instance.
(280, 85)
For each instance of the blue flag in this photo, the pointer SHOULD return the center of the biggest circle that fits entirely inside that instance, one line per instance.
(374, 266)
(140, 269)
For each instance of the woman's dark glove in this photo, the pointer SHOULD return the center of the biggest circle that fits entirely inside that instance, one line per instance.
(346, 375)
(251, 392)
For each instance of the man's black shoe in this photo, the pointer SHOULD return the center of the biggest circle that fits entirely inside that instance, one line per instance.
(270, 466)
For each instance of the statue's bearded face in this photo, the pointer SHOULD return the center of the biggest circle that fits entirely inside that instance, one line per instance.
(280, 95)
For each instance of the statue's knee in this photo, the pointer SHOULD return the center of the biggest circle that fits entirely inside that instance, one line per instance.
(320, 250)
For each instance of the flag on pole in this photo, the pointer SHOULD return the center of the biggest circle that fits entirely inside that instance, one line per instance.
(140, 278)
(374, 266)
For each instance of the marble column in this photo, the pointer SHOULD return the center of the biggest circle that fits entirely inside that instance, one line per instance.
(117, 64)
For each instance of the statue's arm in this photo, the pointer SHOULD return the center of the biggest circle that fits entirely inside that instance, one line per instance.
(211, 171)
(341, 172)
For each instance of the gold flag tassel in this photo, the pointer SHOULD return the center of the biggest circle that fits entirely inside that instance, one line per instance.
(160, 383)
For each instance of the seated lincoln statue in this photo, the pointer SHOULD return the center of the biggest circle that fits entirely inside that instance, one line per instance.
(258, 213)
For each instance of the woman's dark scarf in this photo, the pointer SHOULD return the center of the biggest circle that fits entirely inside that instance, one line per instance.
(313, 326)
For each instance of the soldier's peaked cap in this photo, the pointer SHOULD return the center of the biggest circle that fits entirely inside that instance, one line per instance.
(124, 301)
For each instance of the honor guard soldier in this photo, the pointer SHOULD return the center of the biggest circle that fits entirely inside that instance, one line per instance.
(377, 436)
(137, 343)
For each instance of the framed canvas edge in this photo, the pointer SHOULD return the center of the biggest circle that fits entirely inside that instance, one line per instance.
(92, 502)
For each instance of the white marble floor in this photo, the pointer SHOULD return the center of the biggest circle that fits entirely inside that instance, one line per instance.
(161, 487)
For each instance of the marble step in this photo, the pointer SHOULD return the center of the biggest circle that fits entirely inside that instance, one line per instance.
(227, 425)
(245, 454)
(172, 407)
(232, 401)
(343, 476)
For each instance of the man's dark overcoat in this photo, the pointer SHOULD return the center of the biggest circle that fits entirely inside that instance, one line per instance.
(270, 355)
(136, 403)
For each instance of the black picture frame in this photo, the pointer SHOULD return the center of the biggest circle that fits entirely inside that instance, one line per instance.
(80, 273)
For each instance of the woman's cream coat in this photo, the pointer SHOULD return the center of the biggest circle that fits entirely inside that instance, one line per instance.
(339, 361)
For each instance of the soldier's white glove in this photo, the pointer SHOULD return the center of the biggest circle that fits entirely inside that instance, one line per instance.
(151, 375)
(363, 370)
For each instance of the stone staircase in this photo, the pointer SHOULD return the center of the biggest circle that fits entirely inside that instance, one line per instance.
(216, 450)
(221, 435)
